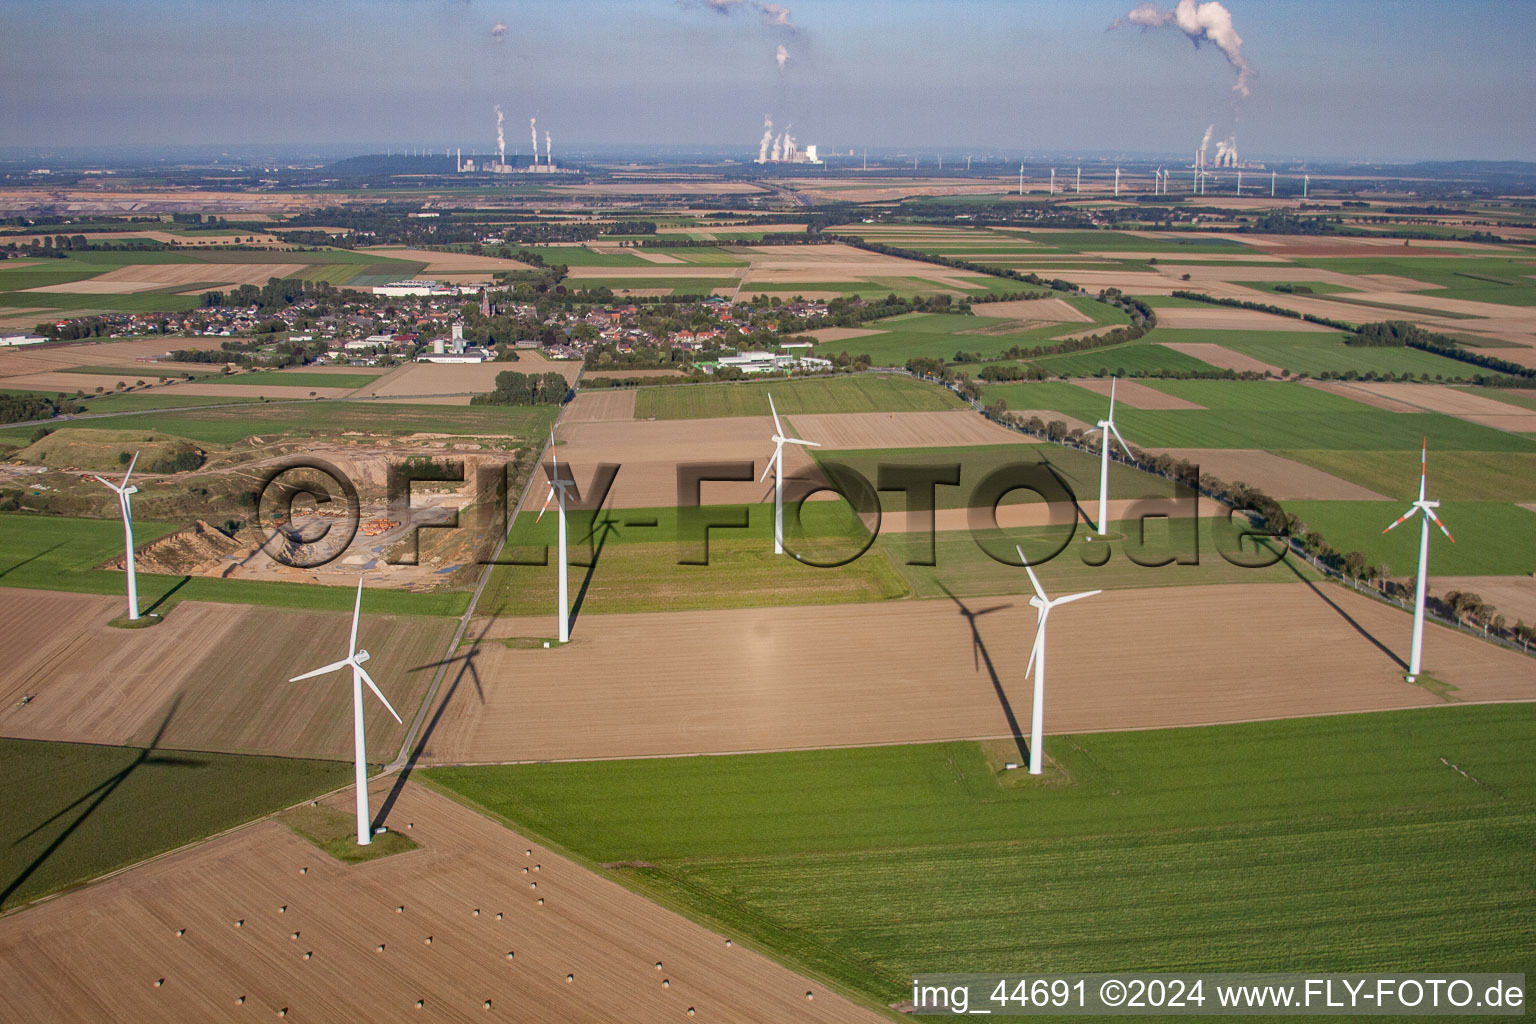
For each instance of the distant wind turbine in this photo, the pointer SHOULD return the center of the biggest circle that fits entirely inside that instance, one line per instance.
(557, 489)
(776, 464)
(124, 492)
(1428, 508)
(355, 659)
(1107, 426)
(1037, 660)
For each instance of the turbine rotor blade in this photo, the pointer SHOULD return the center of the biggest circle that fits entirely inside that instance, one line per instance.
(796, 440)
(1032, 578)
(1035, 650)
(1075, 597)
(778, 428)
(778, 452)
(375, 688)
(1403, 518)
(332, 667)
(547, 500)
(112, 485)
(131, 464)
(357, 613)
(1442, 527)
(1119, 438)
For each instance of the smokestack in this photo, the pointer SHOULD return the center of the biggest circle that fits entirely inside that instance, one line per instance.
(458, 160)
(501, 140)
(548, 161)
(534, 131)
(766, 140)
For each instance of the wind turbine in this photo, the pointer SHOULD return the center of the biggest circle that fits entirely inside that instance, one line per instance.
(355, 658)
(1053, 181)
(776, 463)
(1428, 508)
(1037, 660)
(1117, 181)
(124, 491)
(1108, 427)
(557, 486)
(1079, 187)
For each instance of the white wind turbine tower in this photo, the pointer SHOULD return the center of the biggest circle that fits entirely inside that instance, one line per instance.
(1415, 659)
(1271, 184)
(1306, 182)
(1037, 660)
(1053, 181)
(776, 464)
(557, 489)
(355, 659)
(1078, 189)
(123, 500)
(1107, 426)
(1117, 181)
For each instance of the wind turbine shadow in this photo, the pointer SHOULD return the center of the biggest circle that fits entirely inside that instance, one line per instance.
(166, 596)
(1082, 513)
(466, 663)
(978, 655)
(597, 553)
(94, 798)
(1383, 648)
(30, 558)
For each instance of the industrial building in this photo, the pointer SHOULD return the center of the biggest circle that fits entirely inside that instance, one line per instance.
(454, 350)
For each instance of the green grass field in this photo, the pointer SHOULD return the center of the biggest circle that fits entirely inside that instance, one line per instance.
(1493, 538)
(942, 335)
(1502, 280)
(227, 426)
(674, 285)
(637, 567)
(57, 553)
(853, 393)
(300, 379)
(1464, 476)
(1315, 352)
(1340, 844)
(75, 811)
(1141, 356)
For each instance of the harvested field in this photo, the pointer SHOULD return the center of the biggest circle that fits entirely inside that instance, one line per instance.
(1135, 395)
(1462, 404)
(776, 678)
(1057, 310)
(1513, 596)
(69, 383)
(824, 334)
(445, 262)
(649, 452)
(808, 264)
(856, 430)
(1280, 478)
(471, 933)
(1348, 390)
(430, 379)
(599, 406)
(148, 276)
(626, 373)
(1233, 320)
(651, 256)
(94, 684)
(1221, 357)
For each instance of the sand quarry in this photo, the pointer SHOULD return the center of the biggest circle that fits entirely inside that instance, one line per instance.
(91, 683)
(906, 672)
(454, 930)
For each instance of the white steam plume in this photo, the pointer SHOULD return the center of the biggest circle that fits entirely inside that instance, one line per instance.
(1205, 145)
(499, 31)
(534, 131)
(547, 161)
(1201, 22)
(501, 140)
(774, 15)
(766, 140)
(781, 56)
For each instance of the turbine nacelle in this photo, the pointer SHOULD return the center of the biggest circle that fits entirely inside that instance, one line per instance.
(360, 657)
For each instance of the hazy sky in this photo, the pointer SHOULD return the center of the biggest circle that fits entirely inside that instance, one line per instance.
(1353, 79)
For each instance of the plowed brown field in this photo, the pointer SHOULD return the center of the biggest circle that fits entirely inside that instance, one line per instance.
(471, 940)
(907, 672)
(224, 668)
